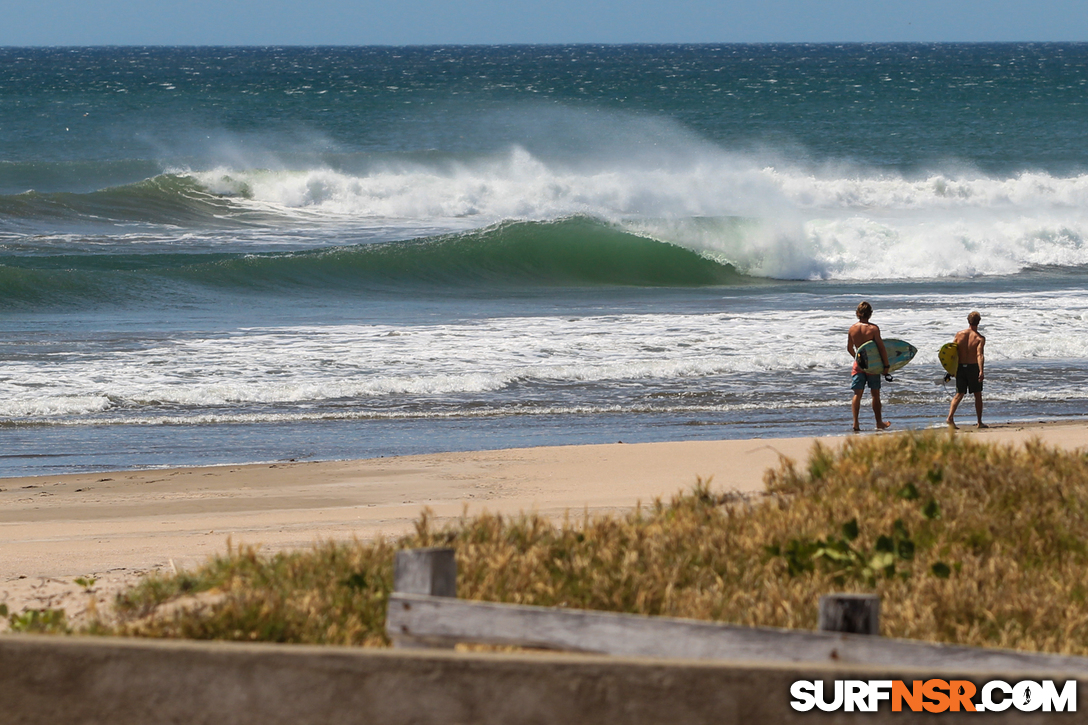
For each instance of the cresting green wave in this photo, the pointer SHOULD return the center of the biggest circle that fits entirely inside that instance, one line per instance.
(569, 252)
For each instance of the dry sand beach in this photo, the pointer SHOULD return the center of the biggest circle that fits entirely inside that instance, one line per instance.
(116, 527)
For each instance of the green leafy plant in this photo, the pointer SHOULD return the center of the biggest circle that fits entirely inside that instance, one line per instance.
(847, 562)
(942, 570)
(40, 621)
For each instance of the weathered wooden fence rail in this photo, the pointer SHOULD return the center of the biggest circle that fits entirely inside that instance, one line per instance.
(417, 617)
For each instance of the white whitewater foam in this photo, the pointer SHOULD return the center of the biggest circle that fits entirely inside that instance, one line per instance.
(835, 224)
(364, 366)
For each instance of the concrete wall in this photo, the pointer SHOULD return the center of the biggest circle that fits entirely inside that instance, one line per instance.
(82, 680)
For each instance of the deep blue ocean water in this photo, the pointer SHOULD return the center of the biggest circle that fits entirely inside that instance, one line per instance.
(222, 255)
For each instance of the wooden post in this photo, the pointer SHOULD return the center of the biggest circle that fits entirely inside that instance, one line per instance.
(851, 613)
(425, 571)
(432, 572)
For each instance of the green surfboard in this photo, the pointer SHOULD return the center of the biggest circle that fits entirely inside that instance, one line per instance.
(899, 354)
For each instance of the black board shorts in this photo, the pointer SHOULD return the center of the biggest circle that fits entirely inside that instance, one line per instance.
(967, 379)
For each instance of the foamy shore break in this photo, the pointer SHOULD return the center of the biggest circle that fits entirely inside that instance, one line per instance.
(116, 527)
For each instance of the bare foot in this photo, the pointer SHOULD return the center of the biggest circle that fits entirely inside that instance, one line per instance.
(856, 429)
(884, 425)
(983, 425)
(952, 424)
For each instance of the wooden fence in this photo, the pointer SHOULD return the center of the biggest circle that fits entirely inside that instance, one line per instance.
(424, 612)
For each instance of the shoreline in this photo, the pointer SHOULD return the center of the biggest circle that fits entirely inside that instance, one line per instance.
(117, 527)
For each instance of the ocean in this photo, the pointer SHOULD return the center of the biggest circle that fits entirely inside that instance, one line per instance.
(229, 255)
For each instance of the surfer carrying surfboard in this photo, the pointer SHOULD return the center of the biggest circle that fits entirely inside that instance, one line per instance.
(860, 333)
(969, 373)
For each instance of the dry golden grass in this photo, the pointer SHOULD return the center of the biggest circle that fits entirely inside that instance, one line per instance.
(964, 542)
(330, 594)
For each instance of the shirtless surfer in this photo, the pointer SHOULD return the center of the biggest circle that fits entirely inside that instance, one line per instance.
(860, 333)
(969, 374)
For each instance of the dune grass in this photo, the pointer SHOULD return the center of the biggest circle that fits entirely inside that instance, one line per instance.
(964, 542)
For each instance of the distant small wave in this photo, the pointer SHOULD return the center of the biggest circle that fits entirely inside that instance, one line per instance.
(163, 199)
(144, 417)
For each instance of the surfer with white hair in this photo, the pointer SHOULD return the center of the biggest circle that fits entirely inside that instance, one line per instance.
(860, 333)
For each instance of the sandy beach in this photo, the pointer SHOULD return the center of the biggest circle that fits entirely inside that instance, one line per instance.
(117, 527)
